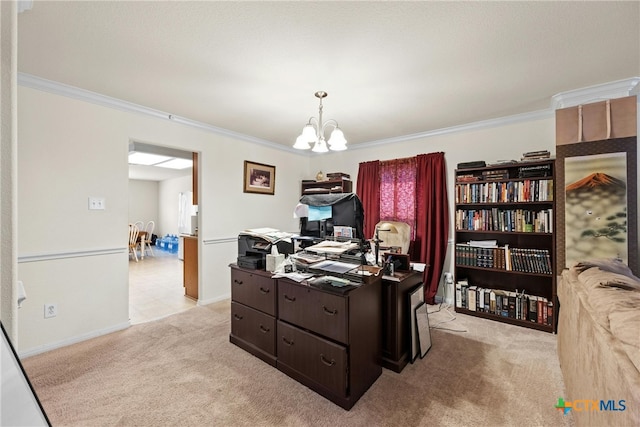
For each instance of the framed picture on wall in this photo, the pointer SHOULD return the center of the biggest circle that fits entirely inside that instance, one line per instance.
(259, 178)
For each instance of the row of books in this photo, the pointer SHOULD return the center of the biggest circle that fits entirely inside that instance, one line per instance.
(512, 304)
(513, 220)
(524, 260)
(493, 174)
(527, 190)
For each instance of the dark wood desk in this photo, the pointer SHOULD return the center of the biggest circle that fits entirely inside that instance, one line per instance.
(395, 318)
(325, 338)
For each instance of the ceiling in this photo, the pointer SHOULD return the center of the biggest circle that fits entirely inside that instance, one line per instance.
(390, 68)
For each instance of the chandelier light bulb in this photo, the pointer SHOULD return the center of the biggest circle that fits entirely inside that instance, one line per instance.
(301, 143)
(309, 133)
(337, 140)
(320, 147)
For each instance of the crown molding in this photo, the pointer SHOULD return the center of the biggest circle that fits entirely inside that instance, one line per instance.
(483, 124)
(601, 92)
(34, 82)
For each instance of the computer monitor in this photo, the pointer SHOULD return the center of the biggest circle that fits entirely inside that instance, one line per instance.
(346, 211)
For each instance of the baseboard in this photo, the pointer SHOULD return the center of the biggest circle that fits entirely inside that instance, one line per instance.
(73, 340)
(214, 300)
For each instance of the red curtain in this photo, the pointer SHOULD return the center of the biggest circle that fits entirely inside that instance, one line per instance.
(432, 225)
(368, 191)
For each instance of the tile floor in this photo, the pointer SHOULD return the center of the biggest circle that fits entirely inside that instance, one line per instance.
(155, 287)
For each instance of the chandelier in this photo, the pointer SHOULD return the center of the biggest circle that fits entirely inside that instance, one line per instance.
(313, 133)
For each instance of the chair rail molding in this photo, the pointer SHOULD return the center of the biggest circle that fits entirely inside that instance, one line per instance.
(70, 254)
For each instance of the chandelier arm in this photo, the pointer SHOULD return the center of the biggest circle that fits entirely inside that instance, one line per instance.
(331, 122)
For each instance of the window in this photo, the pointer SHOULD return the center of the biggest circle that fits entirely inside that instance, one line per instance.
(398, 191)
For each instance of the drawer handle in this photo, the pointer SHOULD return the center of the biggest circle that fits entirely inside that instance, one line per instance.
(329, 312)
(288, 298)
(264, 330)
(327, 362)
(263, 290)
(237, 282)
(237, 317)
(287, 342)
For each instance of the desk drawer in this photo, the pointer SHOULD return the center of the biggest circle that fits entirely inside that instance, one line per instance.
(309, 308)
(253, 326)
(318, 359)
(254, 290)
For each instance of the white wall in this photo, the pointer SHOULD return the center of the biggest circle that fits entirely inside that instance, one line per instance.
(169, 190)
(143, 201)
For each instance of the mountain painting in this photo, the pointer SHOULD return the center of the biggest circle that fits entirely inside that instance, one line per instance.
(596, 207)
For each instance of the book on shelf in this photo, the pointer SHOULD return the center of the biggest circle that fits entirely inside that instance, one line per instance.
(495, 174)
(461, 293)
(534, 171)
(471, 298)
(467, 177)
(536, 153)
(484, 243)
(338, 175)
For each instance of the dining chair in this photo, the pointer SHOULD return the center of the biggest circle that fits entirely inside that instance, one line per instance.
(133, 240)
(148, 237)
(139, 224)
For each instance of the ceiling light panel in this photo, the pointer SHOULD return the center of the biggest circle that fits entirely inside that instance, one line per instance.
(176, 164)
(146, 159)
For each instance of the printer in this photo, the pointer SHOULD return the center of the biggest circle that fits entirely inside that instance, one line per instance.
(253, 249)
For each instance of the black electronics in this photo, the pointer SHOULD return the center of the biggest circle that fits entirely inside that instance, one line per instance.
(253, 250)
(471, 165)
(346, 211)
(252, 262)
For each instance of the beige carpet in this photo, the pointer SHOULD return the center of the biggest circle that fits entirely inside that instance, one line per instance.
(182, 371)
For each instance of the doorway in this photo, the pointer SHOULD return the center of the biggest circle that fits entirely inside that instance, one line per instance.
(156, 281)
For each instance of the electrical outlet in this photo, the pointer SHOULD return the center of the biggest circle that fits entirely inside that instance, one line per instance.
(50, 310)
(97, 204)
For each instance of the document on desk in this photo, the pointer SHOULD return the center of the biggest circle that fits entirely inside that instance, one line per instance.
(334, 266)
(306, 258)
(332, 247)
(298, 277)
(271, 234)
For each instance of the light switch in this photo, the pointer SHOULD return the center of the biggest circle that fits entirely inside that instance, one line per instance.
(96, 204)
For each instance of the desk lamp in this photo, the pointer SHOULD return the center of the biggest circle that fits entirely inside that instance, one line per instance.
(384, 226)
